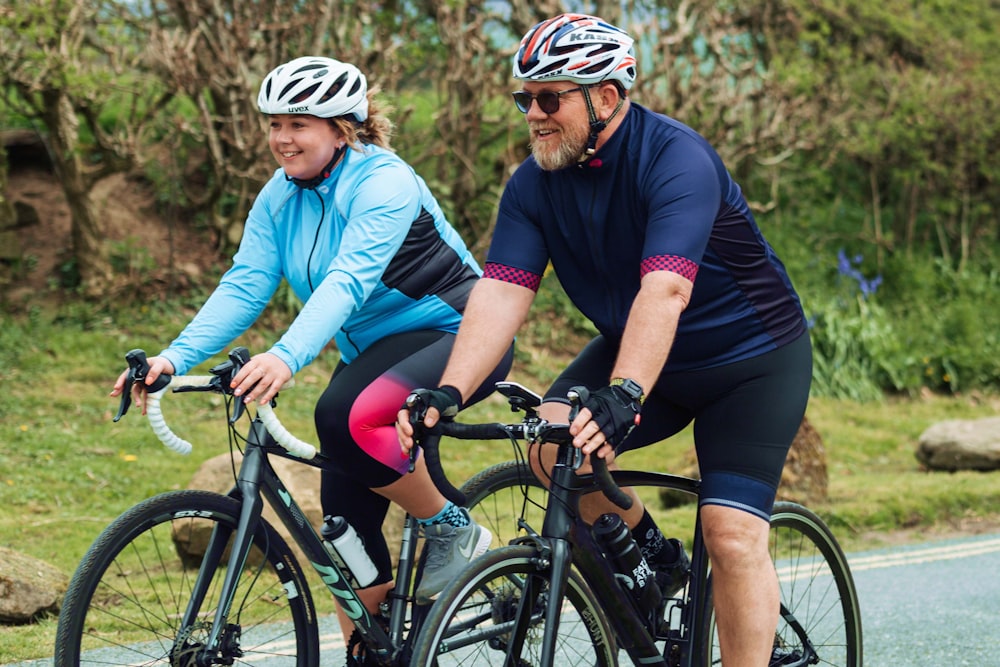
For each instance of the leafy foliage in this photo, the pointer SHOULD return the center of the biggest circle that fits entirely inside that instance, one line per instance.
(929, 328)
(869, 127)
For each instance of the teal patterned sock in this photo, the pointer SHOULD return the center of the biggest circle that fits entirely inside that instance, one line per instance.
(451, 514)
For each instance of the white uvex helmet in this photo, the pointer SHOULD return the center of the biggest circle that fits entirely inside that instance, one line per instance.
(316, 86)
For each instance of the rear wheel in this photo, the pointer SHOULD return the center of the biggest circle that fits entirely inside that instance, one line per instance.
(126, 601)
(502, 494)
(820, 620)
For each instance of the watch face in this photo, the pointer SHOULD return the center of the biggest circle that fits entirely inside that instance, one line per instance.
(630, 387)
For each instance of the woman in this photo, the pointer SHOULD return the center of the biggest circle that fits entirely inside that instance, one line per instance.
(363, 243)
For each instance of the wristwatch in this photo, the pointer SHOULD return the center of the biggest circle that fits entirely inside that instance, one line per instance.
(631, 388)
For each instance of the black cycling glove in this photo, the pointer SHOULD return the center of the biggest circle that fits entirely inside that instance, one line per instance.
(615, 412)
(447, 400)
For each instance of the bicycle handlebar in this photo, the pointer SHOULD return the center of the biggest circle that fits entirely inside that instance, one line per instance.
(531, 428)
(430, 441)
(217, 382)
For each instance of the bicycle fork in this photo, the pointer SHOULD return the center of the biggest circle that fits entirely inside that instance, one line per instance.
(256, 477)
(220, 639)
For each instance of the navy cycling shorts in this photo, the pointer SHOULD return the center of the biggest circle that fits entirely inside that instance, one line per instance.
(745, 416)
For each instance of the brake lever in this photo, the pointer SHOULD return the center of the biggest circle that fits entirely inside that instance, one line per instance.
(576, 396)
(126, 401)
(239, 356)
(138, 369)
(412, 402)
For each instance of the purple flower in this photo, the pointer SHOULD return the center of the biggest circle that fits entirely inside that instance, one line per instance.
(849, 267)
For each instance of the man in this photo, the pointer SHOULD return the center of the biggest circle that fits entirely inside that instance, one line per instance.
(654, 242)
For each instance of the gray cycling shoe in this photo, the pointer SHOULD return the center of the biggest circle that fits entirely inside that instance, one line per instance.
(447, 552)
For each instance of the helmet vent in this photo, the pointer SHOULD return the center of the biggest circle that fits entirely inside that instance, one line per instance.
(334, 88)
(603, 48)
(596, 68)
(304, 95)
(308, 68)
(552, 67)
(564, 49)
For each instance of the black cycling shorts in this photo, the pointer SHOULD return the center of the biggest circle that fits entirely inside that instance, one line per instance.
(745, 416)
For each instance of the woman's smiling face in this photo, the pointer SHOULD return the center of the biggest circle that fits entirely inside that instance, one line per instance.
(302, 145)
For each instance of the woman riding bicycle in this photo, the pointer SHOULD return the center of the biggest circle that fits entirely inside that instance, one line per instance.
(363, 243)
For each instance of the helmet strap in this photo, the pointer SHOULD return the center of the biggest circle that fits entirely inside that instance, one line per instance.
(596, 125)
(313, 183)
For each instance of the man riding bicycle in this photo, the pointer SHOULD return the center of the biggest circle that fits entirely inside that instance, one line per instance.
(654, 242)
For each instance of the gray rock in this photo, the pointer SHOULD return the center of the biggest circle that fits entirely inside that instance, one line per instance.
(29, 587)
(961, 444)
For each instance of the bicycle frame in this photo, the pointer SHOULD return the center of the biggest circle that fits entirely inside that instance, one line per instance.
(257, 478)
(567, 540)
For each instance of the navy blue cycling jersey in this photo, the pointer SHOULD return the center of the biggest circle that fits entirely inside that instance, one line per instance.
(656, 196)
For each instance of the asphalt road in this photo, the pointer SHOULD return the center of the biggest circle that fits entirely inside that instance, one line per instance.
(930, 605)
(935, 604)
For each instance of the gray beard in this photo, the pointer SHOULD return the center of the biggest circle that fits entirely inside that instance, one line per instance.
(568, 154)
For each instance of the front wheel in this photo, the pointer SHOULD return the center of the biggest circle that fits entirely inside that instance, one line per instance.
(820, 621)
(475, 619)
(126, 601)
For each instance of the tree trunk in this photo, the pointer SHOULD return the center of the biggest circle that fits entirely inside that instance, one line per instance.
(10, 244)
(85, 229)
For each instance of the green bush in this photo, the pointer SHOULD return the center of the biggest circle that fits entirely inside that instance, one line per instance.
(924, 325)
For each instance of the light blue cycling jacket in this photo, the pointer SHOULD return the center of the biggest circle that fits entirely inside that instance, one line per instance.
(368, 251)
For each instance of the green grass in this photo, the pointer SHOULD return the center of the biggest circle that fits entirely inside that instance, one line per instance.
(66, 470)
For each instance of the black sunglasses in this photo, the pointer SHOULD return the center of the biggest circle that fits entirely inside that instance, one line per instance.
(548, 101)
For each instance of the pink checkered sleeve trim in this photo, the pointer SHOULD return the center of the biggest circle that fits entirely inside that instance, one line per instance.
(509, 274)
(679, 265)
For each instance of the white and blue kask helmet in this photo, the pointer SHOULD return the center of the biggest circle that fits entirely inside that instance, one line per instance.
(579, 48)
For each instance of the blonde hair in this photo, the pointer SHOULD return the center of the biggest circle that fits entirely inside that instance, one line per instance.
(377, 128)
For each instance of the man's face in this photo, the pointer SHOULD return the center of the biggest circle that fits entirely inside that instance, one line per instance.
(557, 139)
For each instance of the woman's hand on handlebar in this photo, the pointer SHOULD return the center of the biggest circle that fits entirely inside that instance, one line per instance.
(157, 367)
(261, 378)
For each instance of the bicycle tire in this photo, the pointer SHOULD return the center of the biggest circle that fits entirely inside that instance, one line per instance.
(500, 495)
(128, 594)
(469, 623)
(818, 596)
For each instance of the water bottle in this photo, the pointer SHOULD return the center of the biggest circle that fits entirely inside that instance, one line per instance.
(634, 572)
(342, 539)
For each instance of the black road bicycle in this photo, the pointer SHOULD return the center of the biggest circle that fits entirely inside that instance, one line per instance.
(553, 598)
(194, 578)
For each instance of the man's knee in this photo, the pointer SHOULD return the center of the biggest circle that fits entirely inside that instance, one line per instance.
(734, 538)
